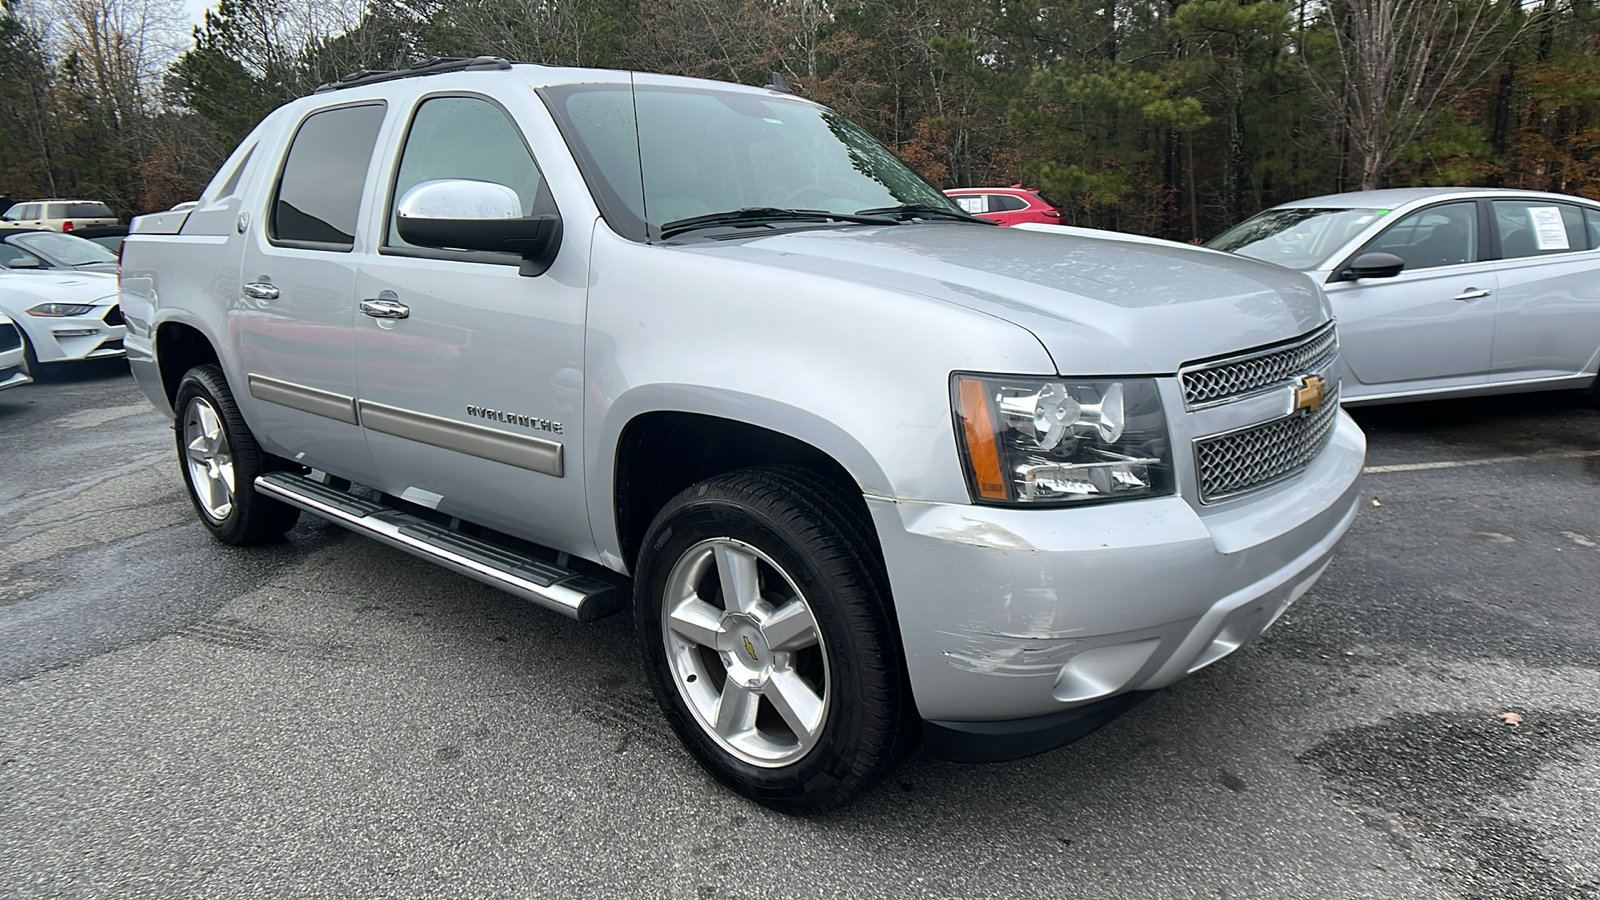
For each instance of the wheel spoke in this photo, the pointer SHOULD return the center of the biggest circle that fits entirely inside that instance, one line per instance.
(697, 621)
(736, 710)
(790, 628)
(197, 450)
(741, 580)
(209, 425)
(796, 702)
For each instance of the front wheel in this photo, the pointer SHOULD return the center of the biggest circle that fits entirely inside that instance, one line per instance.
(220, 461)
(768, 640)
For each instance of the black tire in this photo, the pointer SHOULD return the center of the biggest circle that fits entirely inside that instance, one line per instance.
(249, 518)
(810, 537)
(30, 359)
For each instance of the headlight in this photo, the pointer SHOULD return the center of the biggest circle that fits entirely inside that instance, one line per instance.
(1061, 440)
(60, 310)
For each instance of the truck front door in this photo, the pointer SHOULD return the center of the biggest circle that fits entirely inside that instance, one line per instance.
(471, 374)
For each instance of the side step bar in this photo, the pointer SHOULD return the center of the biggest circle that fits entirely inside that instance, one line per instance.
(563, 590)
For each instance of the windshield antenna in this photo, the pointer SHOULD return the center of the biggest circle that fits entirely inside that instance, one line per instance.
(778, 84)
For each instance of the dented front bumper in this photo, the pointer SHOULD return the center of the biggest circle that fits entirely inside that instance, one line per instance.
(1020, 614)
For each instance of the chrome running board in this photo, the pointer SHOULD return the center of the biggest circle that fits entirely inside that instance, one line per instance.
(571, 593)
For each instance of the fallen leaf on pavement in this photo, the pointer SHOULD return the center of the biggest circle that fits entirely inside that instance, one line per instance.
(1510, 718)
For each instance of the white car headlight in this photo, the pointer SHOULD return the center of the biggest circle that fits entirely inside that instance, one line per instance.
(1061, 440)
(60, 310)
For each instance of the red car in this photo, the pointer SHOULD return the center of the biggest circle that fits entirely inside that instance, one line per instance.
(1008, 206)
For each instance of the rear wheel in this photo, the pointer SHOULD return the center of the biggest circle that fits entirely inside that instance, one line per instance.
(220, 461)
(769, 645)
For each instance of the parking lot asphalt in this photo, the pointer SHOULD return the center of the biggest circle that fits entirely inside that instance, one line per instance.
(328, 717)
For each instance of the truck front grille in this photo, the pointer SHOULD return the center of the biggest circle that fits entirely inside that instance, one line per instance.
(1257, 456)
(1227, 378)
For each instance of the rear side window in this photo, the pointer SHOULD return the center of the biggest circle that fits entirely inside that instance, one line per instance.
(1538, 228)
(472, 139)
(87, 211)
(1007, 203)
(319, 192)
(1592, 216)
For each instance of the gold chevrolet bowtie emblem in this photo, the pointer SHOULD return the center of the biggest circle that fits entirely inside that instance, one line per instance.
(1310, 393)
(750, 649)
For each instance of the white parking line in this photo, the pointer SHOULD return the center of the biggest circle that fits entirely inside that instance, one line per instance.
(1490, 461)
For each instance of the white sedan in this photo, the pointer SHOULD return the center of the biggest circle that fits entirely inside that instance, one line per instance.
(12, 371)
(63, 317)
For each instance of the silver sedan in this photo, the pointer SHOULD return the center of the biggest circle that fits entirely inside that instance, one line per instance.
(1446, 291)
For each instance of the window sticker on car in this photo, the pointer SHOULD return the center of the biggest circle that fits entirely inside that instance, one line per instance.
(1548, 229)
(971, 204)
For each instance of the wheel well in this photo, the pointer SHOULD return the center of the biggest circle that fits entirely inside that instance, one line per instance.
(180, 348)
(660, 454)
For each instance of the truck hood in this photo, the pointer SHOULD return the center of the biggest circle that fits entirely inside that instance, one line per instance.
(1100, 303)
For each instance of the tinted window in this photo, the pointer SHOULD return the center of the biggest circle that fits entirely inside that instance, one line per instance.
(319, 194)
(1538, 228)
(1444, 235)
(88, 211)
(467, 138)
(1007, 203)
(1593, 218)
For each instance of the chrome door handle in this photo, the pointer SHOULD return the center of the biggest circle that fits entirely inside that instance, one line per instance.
(1471, 294)
(261, 290)
(385, 309)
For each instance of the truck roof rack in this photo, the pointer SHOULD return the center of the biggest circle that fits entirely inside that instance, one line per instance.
(431, 66)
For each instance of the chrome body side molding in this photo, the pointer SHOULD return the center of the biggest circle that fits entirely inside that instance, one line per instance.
(535, 454)
(306, 399)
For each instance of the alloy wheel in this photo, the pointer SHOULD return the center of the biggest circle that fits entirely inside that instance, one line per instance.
(745, 652)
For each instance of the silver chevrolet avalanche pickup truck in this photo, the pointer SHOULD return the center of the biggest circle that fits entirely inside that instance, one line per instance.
(872, 472)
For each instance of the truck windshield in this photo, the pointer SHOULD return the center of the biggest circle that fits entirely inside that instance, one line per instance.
(1296, 238)
(698, 153)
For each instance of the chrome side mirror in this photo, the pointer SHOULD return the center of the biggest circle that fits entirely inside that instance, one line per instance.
(458, 214)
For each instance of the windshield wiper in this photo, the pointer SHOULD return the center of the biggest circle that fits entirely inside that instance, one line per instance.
(906, 211)
(755, 215)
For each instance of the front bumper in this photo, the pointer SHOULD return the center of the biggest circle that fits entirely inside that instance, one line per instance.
(1010, 614)
(12, 361)
(97, 334)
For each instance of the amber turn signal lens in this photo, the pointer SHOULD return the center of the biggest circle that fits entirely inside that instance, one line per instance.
(977, 423)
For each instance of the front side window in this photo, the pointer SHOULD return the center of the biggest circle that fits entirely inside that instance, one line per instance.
(1297, 237)
(467, 138)
(1538, 228)
(1445, 235)
(702, 151)
(319, 192)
